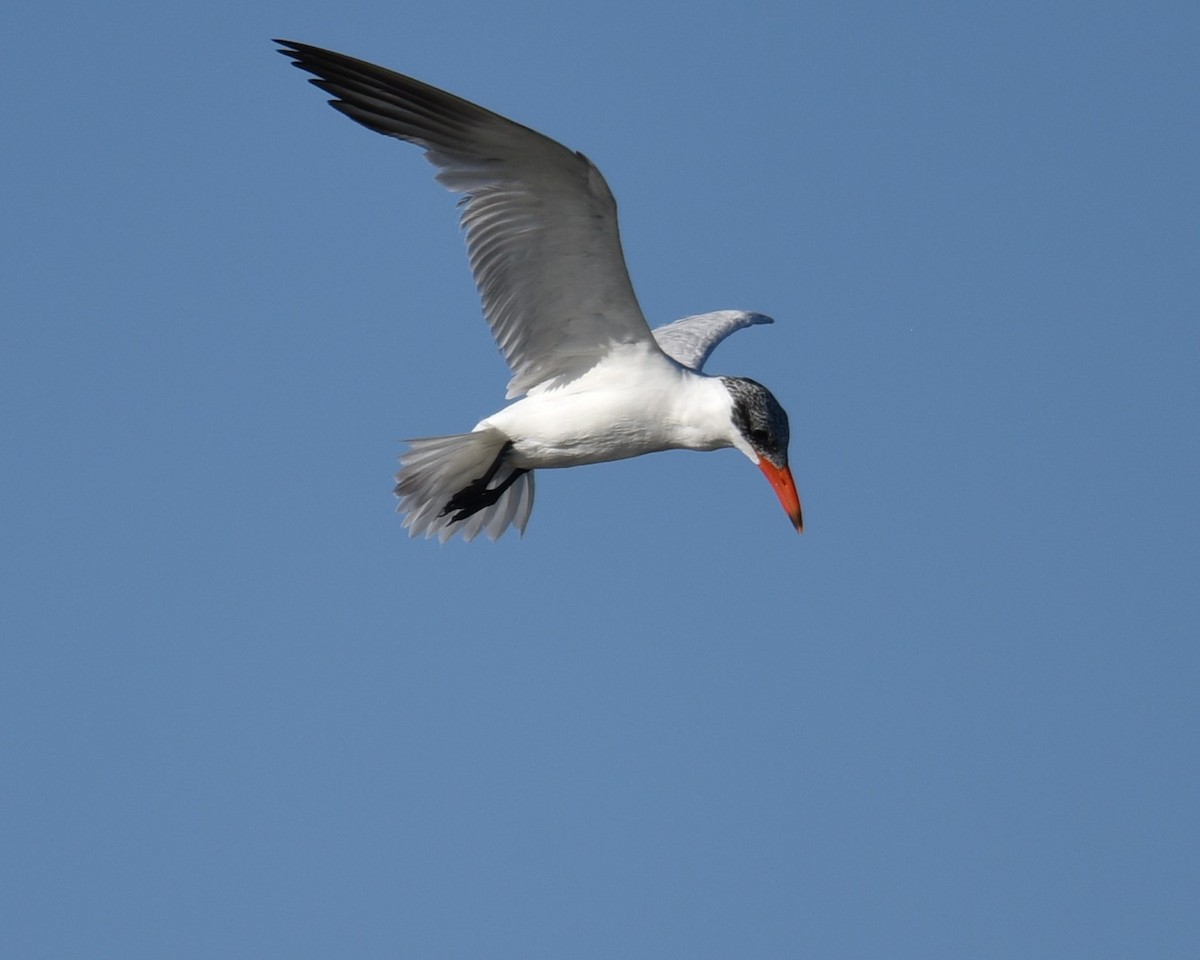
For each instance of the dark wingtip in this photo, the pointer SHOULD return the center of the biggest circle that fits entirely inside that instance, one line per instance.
(292, 50)
(295, 51)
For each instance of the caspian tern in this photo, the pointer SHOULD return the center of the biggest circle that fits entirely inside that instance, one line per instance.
(595, 382)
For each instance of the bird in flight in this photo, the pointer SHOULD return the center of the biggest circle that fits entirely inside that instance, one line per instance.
(592, 382)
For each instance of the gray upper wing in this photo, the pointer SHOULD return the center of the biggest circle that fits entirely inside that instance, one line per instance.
(540, 222)
(690, 340)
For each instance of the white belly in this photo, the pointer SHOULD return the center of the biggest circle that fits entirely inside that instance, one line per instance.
(603, 418)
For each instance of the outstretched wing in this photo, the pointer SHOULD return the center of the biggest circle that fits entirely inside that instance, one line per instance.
(540, 221)
(692, 339)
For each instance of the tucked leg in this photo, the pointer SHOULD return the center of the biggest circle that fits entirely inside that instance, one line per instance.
(475, 496)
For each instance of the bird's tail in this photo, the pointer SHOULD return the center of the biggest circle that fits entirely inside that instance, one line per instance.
(437, 470)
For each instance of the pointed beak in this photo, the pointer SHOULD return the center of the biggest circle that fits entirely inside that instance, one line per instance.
(781, 481)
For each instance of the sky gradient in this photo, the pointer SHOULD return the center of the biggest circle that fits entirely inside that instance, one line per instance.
(243, 715)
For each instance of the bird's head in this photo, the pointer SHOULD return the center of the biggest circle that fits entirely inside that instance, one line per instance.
(761, 433)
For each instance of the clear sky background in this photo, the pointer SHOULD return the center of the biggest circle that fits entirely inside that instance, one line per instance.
(243, 715)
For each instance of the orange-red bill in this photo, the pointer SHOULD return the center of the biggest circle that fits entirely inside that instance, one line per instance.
(781, 482)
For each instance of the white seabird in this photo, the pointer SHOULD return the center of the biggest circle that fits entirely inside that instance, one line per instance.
(595, 382)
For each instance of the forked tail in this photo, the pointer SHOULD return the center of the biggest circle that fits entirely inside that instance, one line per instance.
(462, 484)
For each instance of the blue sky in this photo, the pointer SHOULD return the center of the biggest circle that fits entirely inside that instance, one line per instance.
(243, 715)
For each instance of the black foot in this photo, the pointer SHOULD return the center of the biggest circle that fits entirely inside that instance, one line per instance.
(476, 496)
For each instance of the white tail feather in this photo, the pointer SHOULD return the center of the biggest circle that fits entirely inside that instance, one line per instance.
(434, 469)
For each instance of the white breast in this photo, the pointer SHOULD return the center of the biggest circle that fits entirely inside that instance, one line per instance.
(639, 403)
